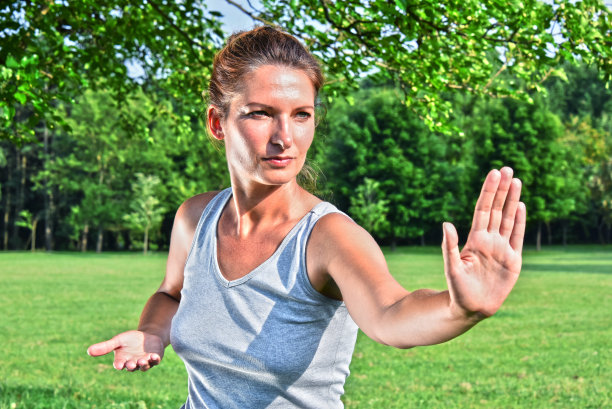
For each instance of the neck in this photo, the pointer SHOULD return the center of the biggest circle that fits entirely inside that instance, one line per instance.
(263, 205)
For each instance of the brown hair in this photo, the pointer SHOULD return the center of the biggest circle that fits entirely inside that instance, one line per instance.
(245, 51)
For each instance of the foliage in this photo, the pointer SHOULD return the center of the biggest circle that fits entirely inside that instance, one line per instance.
(51, 51)
(369, 208)
(529, 138)
(70, 83)
(3, 162)
(29, 222)
(381, 139)
(146, 213)
(431, 47)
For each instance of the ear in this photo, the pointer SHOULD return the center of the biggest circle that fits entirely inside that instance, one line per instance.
(213, 121)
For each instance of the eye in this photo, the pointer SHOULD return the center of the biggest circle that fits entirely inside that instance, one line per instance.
(258, 114)
(303, 115)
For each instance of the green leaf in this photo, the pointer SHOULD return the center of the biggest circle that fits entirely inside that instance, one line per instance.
(22, 98)
(11, 62)
(402, 4)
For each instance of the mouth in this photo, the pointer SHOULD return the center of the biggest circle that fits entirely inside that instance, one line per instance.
(278, 161)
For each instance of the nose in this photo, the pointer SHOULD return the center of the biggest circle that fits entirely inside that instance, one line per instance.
(282, 134)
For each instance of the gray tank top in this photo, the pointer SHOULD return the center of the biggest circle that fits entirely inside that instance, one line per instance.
(266, 340)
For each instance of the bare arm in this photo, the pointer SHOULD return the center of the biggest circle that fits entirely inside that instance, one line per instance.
(479, 277)
(144, 348)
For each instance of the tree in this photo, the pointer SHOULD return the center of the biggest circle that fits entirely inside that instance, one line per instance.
(369, 209)
(27, 221)
(430, 48)
(146, 212)
(50, 51)
(585, 103)
(529, 138)
(109, 143)
(381, 139)
(598, 154)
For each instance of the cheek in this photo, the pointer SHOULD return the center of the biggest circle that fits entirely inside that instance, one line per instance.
(305, 137)
(249, 136)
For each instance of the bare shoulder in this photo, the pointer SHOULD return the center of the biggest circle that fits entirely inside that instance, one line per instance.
(337, 249)
(183, 230)
(346, 263)
(337, 230)
(190, 210)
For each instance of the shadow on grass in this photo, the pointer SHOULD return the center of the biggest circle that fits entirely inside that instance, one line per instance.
(569, 268)
(28, 396)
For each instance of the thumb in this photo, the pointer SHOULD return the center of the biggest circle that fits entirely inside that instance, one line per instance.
(103, 348)
(450, 247)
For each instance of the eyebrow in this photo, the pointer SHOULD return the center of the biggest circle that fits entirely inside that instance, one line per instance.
(259, 104)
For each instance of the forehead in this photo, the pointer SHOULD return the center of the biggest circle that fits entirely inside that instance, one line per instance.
(272, 84)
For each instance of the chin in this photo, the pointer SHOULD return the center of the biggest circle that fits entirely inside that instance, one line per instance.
(280, 178)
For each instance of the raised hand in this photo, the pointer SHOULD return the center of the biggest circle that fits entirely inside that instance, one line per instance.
(133, 350)
(481, 276)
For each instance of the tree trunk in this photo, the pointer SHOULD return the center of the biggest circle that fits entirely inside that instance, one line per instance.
(34, 226)
(7, 211)
(127, 240)
(146, 241)
(84, 238)
(423, 240)
(21, 162)
(549, 233)
(49, 203)
(50, 209)
(564, 234)
(393, 244)
(600, 228)
(100, 240)
(539, 237)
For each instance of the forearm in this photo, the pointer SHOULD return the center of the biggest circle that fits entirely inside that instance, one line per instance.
(423, 317)
(156, 317)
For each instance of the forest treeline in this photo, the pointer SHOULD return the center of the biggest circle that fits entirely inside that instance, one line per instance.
(113, 177)
(101, 135)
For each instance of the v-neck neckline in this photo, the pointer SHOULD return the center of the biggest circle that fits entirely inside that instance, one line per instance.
(231, 283)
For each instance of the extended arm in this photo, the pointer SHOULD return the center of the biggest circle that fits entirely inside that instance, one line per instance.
(144, 348)
(479, 277)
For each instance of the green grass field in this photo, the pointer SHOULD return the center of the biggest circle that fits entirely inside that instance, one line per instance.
(549, 346)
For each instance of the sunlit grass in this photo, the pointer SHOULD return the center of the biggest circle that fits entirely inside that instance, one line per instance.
(549, 345)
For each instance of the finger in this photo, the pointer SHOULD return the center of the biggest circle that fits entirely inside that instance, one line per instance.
(500, 199)
(154, 359)
(514, 194)
(482, 212)
(103, 348)
(119, 364)
(450, 247)
(131, 366)
(518, 232)
(143, 364)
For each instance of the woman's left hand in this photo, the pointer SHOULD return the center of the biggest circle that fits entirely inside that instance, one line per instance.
(481, 276)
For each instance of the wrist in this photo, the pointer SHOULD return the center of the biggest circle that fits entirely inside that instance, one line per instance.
(459, 313)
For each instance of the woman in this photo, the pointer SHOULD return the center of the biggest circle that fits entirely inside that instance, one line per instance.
(266, 284)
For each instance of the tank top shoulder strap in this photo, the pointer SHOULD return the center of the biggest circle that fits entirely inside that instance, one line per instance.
(210, 216)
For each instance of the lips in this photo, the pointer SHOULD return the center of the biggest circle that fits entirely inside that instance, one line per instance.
(279, 161)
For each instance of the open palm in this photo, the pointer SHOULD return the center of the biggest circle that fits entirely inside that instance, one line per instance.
(481, 276)
(133, 350)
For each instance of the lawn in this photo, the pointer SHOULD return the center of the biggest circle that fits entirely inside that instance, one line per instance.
(549, 346)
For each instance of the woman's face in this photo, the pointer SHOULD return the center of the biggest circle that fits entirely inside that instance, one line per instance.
(270, 125)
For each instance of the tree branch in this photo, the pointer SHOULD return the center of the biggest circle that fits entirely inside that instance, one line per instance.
(251, 15)
(179, 30)
(502, 69)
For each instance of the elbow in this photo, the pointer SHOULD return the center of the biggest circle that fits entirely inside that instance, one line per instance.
(170, 295)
